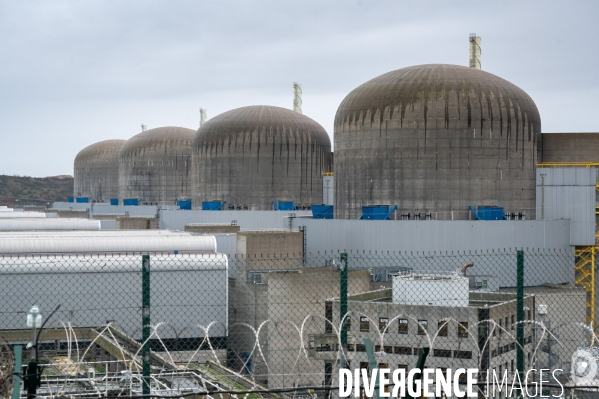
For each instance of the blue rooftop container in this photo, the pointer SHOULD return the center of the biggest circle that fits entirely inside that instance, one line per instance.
(213, 205)
(322, 211)
(184, 204)
(114, 201)
(82, 200)
(284, 206)
(131, 201)
(486, 212)
(377, 212)
(70, 199)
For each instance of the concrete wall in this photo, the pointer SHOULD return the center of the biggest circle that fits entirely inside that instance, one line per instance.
(136, 223)
(292, 299)
(436, 138)
(96, 172)
(81, 214)
(211, 229)
(570, 147)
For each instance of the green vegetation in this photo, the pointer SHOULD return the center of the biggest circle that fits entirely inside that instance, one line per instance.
(18, 191)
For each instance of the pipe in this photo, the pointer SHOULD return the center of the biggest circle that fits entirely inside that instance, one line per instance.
(466, 266)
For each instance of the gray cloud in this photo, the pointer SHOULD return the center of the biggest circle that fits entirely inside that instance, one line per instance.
(75, 73)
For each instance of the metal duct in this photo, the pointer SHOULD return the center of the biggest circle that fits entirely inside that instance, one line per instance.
(109, 244)
(202, 116)
(29, 224)
(21, 215)
(475, 51)
(297, 97)
(94, 264)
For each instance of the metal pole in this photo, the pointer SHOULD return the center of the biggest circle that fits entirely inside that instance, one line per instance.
(520, 314)
(145, 298)
(543, 196)
(343, 308)
(32, 377)
(16, 388)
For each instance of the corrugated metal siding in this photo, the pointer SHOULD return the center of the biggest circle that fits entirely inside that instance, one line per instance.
(176, 220)
(434, 236)
(569, 193)
(87, 282)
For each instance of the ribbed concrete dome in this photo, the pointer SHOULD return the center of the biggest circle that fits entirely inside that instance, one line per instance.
(155, 165)
(253, 155)
(96, 171)
(436, 138)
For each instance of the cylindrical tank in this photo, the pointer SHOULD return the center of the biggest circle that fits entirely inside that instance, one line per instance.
(96, 171)
(155, 166)
(434, 139)
(254, 155)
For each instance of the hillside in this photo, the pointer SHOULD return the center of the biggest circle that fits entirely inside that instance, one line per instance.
(24, 190)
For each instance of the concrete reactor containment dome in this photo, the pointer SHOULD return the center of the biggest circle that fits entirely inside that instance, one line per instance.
(434, 140)
(96, 171)
(155, 166)
(254, 155)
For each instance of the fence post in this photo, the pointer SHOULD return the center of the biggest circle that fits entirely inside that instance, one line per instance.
(145, 298)
(520, 314)
(343, 308)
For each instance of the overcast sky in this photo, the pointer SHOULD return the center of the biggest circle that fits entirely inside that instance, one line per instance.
(76, 72)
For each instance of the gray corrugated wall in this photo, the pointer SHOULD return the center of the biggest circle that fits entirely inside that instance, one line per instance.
(569, 193)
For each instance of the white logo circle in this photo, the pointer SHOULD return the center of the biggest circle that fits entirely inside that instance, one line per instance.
(584, 367)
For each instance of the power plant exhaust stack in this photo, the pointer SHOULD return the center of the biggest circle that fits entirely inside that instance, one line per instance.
(475, 51)
(297, 97)
(144, 127)
(202, 116)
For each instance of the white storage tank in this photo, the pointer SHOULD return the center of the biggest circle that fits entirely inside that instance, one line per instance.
(430, 289)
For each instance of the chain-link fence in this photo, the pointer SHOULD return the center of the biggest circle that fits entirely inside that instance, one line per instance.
(213, 325)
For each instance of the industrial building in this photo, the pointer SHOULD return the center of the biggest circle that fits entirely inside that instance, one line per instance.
(96, 171)
(435, 139)
(155, 166)
(253, 156)
(444, 164)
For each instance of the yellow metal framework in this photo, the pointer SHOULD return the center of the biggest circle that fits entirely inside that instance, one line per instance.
(584, 267)
(567, 164)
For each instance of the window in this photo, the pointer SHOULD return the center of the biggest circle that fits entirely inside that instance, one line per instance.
(348, 322)
(513, 322)
(462, 329)
(442, 326)
(494, 353)
(388, 349)
(462, 354)
(500, 327)
(422, 327)
(364, 324)
(364, 366)
(383, 366)
(506, 322)
(402, 367)
(383, 323)
(403, 350)
(328, 315)
(351, 347)
(403, 326)
(360, 348)
(328, 374)
(441, 353)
